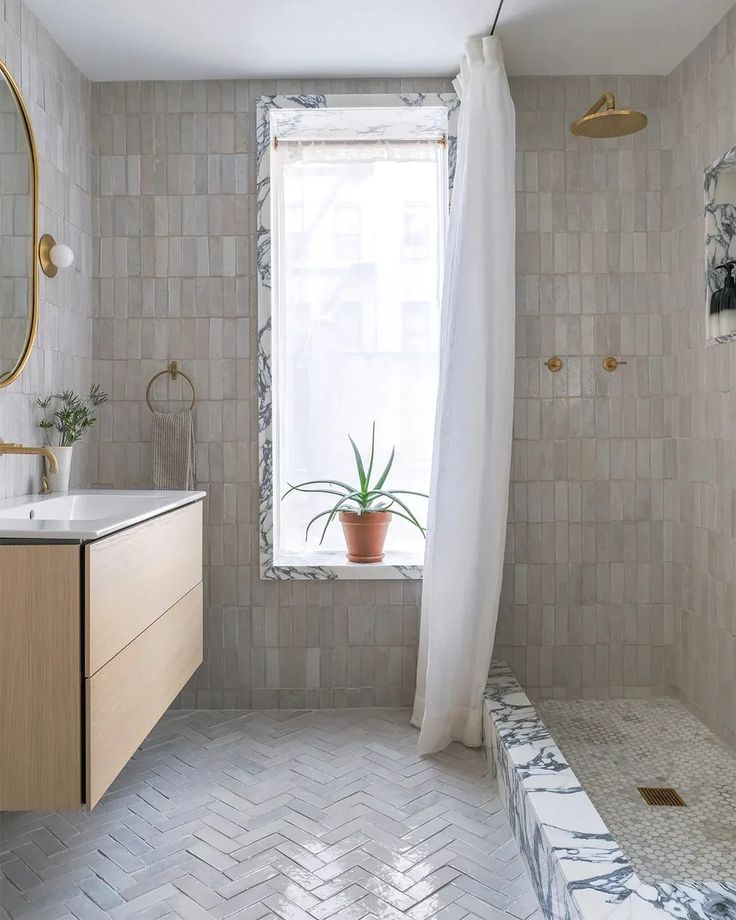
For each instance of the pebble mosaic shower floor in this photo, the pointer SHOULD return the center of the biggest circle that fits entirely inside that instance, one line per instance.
(614, 746)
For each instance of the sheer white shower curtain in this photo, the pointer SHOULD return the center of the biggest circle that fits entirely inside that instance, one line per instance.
(472, 446)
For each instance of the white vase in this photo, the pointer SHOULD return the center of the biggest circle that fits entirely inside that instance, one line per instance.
(59, 482)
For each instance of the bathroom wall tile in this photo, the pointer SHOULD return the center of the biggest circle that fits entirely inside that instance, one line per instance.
(619, 577)
(174, 262)
(648, 467)
(585, 549)
(702, 379)
(59, 99)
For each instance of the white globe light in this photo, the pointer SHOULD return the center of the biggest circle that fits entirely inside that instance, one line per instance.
(61, 255)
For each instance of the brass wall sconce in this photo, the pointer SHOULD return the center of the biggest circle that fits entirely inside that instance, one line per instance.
(611, 363)
(53, 255)
(554, 364)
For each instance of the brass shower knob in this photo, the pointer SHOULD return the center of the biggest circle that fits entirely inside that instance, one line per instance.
(610, 363)
(554, 364)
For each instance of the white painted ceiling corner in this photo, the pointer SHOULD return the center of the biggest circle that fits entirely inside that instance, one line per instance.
(262, 39)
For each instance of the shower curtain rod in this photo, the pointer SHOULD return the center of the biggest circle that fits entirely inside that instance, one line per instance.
(498, 13)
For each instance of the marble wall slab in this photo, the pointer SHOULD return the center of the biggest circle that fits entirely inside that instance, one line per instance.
(719, 182)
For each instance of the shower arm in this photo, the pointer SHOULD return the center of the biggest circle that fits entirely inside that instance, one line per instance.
(606, 99)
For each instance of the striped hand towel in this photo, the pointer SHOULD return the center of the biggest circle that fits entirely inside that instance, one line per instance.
(172, 450)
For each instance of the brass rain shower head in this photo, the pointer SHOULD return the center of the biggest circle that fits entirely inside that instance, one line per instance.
(611, 122)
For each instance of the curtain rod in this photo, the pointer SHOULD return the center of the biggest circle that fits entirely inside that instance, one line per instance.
(498, 13)
(441, 140)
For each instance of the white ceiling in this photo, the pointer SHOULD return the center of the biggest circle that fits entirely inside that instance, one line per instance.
(208, 39)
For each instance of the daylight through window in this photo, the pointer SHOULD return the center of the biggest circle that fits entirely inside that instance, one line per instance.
(358, 228)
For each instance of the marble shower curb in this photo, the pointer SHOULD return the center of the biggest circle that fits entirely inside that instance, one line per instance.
(578, 870)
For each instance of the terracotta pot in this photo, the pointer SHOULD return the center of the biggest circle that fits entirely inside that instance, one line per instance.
(365, 534)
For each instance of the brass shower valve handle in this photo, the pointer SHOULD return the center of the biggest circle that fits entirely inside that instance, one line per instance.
(554, 364)
(610, 363)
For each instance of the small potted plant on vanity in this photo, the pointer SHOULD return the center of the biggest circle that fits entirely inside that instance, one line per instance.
(365, 509)
(71, 417)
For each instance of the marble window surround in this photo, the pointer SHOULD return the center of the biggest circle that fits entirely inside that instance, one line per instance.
(288, 123)
(577, 868)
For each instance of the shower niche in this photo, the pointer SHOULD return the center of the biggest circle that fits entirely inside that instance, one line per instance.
(720, 249)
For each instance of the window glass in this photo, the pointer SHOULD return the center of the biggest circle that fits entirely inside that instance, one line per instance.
(358, 240)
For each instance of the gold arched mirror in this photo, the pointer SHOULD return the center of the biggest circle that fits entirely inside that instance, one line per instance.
(18, 231)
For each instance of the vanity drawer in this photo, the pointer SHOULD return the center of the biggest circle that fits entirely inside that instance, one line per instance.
(134, 576)
(129, 694)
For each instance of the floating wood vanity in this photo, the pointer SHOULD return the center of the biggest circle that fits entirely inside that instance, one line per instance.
(97, 638)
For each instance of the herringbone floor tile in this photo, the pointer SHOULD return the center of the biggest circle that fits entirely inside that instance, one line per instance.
(266, 815)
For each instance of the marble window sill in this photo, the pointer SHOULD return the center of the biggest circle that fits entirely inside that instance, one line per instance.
(335, 566)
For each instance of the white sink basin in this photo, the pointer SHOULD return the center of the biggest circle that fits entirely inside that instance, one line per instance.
(84, 515)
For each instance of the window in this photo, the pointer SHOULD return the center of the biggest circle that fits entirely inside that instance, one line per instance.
(350, 324)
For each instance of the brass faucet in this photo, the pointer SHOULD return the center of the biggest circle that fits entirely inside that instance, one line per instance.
(7, 448)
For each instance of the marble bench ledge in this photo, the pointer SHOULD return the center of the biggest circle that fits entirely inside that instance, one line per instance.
(578, 869)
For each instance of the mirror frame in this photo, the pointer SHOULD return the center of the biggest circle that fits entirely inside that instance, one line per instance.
(33, 154)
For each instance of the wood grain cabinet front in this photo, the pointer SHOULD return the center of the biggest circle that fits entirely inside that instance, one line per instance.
(40, 728)
(127, 696)
(132, 577)
(96, 640)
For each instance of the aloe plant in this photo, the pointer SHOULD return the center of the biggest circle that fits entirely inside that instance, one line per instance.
(364, 498)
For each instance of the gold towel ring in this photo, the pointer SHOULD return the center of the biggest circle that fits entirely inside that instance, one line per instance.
(174, 371)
